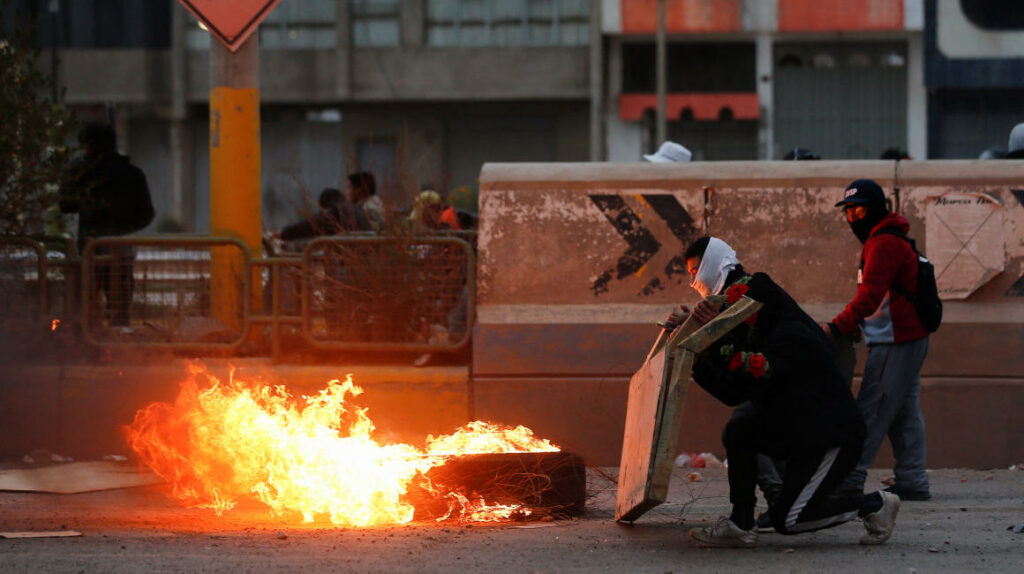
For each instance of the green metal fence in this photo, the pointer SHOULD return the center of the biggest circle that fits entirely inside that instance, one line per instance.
(356, 292)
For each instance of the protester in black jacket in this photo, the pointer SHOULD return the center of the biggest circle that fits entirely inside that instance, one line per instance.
(797, 408)
(111, 198)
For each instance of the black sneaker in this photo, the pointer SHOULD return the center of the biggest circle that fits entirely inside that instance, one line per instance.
(913, 495)
(764, 522)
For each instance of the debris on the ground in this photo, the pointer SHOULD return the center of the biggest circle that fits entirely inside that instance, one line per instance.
(75, 477)
(115, 457)
(702, 460)
(281, 535)
(1018, 529)
(694, 477)
(41, 534)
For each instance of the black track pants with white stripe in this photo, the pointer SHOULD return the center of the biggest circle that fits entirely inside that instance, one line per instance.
(808, 500)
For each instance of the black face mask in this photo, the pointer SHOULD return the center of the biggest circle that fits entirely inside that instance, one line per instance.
(862, 229)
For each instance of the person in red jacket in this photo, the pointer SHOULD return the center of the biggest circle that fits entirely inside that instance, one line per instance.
(890, 391)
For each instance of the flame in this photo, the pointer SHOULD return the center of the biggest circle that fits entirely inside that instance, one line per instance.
(316, 457)
(54, 324)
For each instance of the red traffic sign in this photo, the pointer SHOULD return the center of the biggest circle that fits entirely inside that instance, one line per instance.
(231, 21)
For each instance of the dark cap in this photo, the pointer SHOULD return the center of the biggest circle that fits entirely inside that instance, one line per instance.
(862, 191)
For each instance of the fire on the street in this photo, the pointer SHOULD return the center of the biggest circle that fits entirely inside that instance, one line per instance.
(221, 442)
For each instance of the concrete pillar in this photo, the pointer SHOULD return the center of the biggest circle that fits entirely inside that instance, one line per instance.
(661, 73)
(765, 96)
(180, 140)
(343, 50)
(414, 23)
(235, 191)
(917, 99)
(596, 84)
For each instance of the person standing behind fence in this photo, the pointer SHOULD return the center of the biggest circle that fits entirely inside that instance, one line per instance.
(890, 390)
(111, 198)
(362, 192)
(336, 215)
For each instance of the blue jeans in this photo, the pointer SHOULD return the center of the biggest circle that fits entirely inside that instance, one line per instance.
(890, 402)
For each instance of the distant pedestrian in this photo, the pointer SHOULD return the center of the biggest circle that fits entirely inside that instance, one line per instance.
(894, 153)
(882, 308)
(670, 152)
(800, 154)
(362, 192)
(336, 215)
(1015, 147)
(111, 198)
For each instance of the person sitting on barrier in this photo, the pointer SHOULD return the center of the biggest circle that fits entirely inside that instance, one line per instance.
(336, 215)
(795, 407)
(111, 197)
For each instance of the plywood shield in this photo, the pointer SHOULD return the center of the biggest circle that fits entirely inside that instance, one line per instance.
(657, 393)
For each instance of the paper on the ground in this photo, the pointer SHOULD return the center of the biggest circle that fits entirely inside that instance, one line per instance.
(44, 534)
(75, 477)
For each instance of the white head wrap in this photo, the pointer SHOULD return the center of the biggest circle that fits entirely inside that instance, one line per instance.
(718, 260)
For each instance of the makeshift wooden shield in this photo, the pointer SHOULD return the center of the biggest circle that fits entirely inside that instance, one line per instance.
(657, 393)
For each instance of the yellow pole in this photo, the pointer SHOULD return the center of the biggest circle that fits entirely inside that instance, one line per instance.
(235, 207)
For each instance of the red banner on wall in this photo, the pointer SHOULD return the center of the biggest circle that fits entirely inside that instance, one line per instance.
(641, 16)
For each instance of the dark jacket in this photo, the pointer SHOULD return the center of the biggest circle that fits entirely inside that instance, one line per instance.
(110, 196)
(886, 261)
(336, 218)
(798, 394)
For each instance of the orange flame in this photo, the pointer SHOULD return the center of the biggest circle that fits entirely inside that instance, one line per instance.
(54, 324)
(230, 441)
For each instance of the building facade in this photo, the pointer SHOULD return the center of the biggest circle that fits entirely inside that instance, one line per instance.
(423, 92)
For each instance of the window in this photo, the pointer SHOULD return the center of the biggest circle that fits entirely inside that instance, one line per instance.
(376, 23)
(377, 156)
(291, 25)
(299, 24)
(858, 60)
(508, 22)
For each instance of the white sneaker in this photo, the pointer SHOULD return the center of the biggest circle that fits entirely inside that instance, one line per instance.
(725, 534)
(880, 524)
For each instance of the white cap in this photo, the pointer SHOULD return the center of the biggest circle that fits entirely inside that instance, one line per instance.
(1016, 142)
(669, 152)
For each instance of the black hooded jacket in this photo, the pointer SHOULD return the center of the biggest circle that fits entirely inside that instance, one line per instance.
(798, 394)
(110, 196)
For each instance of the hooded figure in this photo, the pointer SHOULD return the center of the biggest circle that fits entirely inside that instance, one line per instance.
(865, 205)
(883, 310)
(718, 260)
(793, 405)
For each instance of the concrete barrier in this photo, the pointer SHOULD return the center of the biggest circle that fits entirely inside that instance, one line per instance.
(577, 262)
(78, 410)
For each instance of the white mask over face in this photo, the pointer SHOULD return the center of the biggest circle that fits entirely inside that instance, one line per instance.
(718, 260)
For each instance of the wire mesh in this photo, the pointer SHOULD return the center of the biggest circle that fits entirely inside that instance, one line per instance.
(165, 292)
(23, 313)
(412, 292)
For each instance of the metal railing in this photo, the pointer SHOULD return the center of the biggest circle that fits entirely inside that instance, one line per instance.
(383, 293)
(202, 294)
(162, 292)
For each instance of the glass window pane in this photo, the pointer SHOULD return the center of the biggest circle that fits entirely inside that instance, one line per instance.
(442, 10)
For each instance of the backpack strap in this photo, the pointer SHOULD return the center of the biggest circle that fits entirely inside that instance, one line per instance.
(913, 245)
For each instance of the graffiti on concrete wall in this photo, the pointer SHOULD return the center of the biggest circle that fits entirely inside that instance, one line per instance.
(965, 241)
(642, 240)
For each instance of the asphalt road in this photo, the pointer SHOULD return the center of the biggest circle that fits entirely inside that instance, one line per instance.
(963, 529)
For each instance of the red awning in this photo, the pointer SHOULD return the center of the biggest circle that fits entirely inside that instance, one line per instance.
(744, 106)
